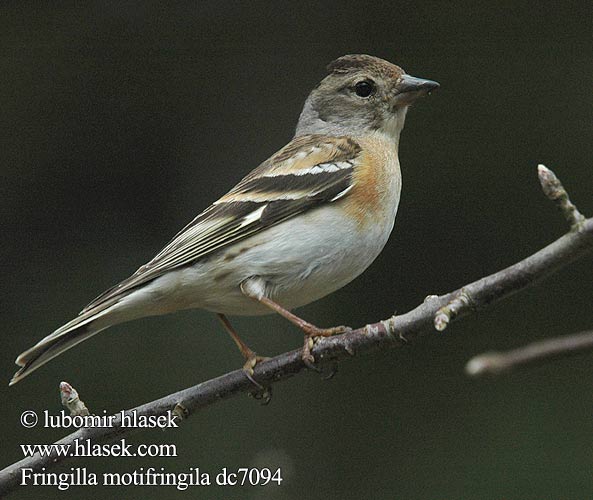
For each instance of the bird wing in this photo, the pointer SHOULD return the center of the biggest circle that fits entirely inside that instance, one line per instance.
(311, 170)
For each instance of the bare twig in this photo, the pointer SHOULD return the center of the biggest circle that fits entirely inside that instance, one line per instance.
(393, 332)
(554, 190)
(447, 313)
(70, 399)
(494, 363)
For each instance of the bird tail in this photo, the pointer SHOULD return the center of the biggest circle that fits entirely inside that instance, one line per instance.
(79, 329)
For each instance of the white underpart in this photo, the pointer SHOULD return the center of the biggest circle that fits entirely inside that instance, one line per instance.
(300, 259)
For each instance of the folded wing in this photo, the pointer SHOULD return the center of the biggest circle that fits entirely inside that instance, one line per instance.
(311, 170)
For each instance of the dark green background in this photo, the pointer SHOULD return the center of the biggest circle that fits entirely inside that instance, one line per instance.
(120, 121)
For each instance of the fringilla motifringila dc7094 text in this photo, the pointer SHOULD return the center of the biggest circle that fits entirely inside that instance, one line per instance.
(303, 224)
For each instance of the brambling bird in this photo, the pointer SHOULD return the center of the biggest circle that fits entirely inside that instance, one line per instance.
(303, 224)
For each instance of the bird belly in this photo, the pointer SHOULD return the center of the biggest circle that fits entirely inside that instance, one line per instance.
(301, 260)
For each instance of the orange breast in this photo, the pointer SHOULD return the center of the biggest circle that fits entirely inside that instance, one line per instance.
(377, 182)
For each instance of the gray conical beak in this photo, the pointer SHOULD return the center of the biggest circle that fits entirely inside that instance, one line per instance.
(408, 83)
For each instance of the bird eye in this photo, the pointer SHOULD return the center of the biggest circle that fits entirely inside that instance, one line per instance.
(364, 88)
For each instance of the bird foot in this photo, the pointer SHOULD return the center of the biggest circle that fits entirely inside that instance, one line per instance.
(260, 392)
(311, 334)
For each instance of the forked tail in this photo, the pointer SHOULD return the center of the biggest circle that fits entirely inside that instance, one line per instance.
(79, 329)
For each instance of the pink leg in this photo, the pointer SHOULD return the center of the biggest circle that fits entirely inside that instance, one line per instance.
(311, 331)
(251, 358)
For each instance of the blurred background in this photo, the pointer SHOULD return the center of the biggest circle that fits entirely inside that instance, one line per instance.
(120, 121)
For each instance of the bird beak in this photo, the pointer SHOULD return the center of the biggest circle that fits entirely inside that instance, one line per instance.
(409, 83)
(409, 88)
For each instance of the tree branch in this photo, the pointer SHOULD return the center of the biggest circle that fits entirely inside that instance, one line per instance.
(396, 331)
(494, 363)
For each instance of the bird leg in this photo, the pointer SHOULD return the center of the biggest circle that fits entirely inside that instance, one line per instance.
(251, 358)
(311, 331)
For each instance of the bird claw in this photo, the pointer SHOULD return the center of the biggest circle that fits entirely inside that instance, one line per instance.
(307, 357)
(264, 394)
(309, 360)
(332, 372)
(249, 365)
(312, 332)
(260, 392)
(310, 364)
